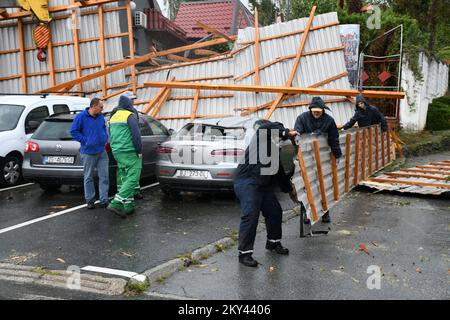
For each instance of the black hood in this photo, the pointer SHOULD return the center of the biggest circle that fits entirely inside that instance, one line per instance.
(361, 99)
(125, 103)
(317, 102)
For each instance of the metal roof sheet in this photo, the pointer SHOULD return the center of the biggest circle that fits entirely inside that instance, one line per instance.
(312, 69)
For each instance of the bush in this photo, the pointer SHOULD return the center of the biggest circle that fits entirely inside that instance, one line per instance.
(438, 117)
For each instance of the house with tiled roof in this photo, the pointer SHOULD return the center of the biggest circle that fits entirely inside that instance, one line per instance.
(226, 16)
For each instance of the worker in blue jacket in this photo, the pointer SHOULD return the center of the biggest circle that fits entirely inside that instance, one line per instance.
(89, 129)
(257, 173)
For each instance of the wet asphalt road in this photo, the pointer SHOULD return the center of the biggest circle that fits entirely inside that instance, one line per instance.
(161, 229)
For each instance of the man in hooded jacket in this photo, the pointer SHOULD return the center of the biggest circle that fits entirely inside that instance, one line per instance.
(366, 115)
(126, 146)
(317, 121)
(256, 176)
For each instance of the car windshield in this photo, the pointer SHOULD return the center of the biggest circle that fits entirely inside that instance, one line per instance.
(210, 132)
(53, 130)
(9, 116)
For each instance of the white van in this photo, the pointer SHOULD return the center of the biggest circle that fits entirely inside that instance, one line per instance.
(20, 116)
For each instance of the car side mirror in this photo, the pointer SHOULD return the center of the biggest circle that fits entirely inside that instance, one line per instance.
(171, 132)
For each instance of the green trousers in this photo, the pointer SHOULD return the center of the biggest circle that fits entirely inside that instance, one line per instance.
(129, 167)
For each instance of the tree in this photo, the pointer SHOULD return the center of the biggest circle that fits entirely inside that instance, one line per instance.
(302, 8)
(267, 11)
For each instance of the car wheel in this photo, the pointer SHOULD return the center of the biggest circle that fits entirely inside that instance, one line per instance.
(49, 186)
(11, 170)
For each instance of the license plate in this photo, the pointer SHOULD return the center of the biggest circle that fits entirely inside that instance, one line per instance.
(194, 174)
(59, 159)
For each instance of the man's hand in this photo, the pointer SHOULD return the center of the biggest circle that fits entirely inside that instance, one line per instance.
(140, 155)
(292, 133)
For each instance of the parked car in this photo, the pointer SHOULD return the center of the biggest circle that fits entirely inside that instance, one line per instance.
(204, 155)
(52, 157)
(20, 116)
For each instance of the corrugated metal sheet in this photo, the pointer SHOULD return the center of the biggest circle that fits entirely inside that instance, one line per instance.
(64, 56)
(312, 69)
(306, 145)
(432, 178)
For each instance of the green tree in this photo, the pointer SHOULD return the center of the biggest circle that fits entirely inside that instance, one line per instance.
(267, 11)
(302, 8)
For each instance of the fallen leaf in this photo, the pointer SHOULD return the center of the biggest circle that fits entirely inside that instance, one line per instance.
(341, 267)
(200, 265)
(355, 280)
(126, 254)
(344, 232)
(419, 270)
(363, 247)
(271, 269)
(375, 244)
(419, 248)
(214, 270)
(58, 207)
(189, 270)
(60, 260)
(448, 271)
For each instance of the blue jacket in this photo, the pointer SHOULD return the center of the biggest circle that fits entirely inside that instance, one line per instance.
(90, 132)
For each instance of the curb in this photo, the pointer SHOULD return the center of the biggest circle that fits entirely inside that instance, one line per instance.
(62, 279)
(160, 273)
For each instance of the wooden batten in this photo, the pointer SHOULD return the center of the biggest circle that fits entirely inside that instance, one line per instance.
(256, 48)
(355, 180)
(363, 156)
(309, 194)
(383, 150)
(377, 148)
(213, 30)
(131, 41)
(102, 47)
(411, 183)
(296, 63)
(320, 175)
(76, 44)
(334, 171)
(347, 160)
(23, 65)
(388, 141)
(414, 175)
(195, 104)
(425, 171)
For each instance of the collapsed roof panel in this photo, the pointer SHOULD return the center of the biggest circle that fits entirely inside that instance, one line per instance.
(323, 66)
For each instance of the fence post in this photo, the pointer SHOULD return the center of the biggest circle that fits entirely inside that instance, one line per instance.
(309, 194)
(347, 160)
(320, 175)
(355, 178)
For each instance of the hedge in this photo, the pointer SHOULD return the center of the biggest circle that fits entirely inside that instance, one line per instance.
(438, 116)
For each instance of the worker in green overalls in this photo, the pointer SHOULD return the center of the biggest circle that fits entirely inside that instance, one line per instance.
(126, 146)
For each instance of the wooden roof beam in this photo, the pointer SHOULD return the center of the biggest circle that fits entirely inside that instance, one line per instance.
(276, 89)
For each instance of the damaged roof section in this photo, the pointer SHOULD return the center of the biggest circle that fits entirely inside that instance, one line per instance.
(321, 66)
(430, 179)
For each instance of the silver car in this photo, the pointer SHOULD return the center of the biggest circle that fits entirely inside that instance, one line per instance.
(205, 153)
(52, 157)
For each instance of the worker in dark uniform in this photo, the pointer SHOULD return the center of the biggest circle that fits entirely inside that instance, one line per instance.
(366, 115)
(256, 175)
(317, 121)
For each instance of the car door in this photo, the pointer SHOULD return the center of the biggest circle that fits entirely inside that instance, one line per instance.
(147, 147)
(35, 116)
(159, 134)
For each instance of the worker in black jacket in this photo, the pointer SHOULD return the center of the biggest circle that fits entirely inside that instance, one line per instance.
(366, 115)
(256, 175)
(317, 121)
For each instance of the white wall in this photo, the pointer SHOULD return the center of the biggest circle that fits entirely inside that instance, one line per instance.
(434, 83)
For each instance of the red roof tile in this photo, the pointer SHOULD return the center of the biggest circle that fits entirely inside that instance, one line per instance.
(216, 14)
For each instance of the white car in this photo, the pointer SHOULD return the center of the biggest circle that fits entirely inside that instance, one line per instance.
(20, 116)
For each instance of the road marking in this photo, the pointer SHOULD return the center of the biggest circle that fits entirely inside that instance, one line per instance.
(53, 215)
(15, 187)
(150, 186)
(50, 216)
(168, 296)
(116, 272)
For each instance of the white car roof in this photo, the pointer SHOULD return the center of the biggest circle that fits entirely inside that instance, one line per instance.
(27, 100)
(229, 122)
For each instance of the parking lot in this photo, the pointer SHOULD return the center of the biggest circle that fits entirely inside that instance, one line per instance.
(161, 229)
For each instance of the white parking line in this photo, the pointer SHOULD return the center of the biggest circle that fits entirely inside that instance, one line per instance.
(116, 272)
(19, 186)
(53, 215)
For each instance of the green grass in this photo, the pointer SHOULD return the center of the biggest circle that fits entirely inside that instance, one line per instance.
(135, 289)
(425, 142)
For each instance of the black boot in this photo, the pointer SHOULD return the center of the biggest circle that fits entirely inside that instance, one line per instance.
(277, 247)
(247, 260)
(326, 217)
